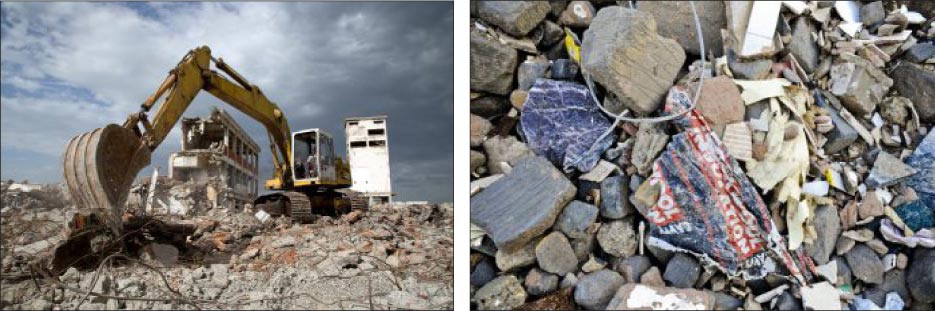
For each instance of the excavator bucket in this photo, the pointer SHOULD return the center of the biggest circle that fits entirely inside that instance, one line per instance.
(99, 168)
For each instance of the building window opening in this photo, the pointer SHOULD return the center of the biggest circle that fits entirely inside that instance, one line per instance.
(358, 144)
(306, 155)
(376, 131)
(377, 143)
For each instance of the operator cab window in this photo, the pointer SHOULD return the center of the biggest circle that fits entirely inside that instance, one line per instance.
(306, 155)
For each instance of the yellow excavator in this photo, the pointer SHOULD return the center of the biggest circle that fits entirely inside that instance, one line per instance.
(101, 165)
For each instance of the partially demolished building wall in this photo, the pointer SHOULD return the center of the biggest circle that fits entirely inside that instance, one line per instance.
(369, 157)
(217, 151)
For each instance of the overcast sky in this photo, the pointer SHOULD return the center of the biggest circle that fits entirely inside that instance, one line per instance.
(66, 68)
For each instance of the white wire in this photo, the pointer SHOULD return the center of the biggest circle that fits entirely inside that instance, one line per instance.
(618, 118)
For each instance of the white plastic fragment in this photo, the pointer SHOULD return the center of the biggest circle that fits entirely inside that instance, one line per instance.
(829, 271)
(817, 188)
(850, 29)
(877, 120)
(761, 28)
(848, 10)
(262, 215)
(821, 296)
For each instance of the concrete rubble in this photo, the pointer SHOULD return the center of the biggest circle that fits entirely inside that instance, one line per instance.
(801, 180)
(387, 257)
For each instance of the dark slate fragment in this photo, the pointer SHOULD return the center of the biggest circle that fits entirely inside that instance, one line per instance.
(615, 193)
(575, 219)
(483, 273)
(562, 123)
(682, 271)
(522, 204)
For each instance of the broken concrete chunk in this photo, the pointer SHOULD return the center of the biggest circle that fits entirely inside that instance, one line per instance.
(618, 238)
(642, 297)
(522, 204)
(562, 123)
(859, 85)
(622, 52)
(676, 21)
(888, 170)
(504, 149)
(720, 101)
(821, 296)
(575, 219)
(914, 82)
(516, 18)
(871, 206)
(509, 260)
(492, 65)
(595, 290)
(504, 292)
(164, 254)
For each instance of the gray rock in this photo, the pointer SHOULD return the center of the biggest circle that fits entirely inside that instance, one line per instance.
(492, 65)
(508, 260)
(516, 18)
(844, 271)
(724, 301)
(618, 238)
(595, 290)
(564, 69)
(633, 267)
(552, 33)
(622, 52)
(865, 264)
(529, 71)
(675, 21)
(802, 46)
(575, 219)
(483, 273)
(539, 283)
(859, 84)
(682, 271)
(921, 275)
(555, 254)
(584, 246)
(490, 106)
(569, 281)
(786, 301)
(920, 52)
(522, 204)
(163, 254)
(828, 225)
(661, 254)
(748, 69)
(843, 134)
(615, 193)
(895, 109)
(916, 83)
(893, 281)
(593, 264)
(887, 170)
(872, 13)
(504, 149)
(504, 292)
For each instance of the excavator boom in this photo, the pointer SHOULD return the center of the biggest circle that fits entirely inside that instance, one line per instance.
(99, 166)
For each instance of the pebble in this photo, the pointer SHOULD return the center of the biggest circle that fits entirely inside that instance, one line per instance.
(618, 238)
(504, 292)
(555, 254)
(921, 275)
(575, 219)
(595, 290)
(865, 264)
(682, 271)
(539, 283)
(631, 268)
(652, 277)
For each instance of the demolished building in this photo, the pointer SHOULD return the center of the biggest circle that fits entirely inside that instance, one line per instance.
(369, 157)
(218, 153)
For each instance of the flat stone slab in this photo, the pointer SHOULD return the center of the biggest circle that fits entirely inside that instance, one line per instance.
(522, 204)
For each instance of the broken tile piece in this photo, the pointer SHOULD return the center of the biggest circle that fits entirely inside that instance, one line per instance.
(821, 296)
(738, 141)
(887, 170)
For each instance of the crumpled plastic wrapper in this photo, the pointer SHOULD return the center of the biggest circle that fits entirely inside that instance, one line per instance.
(706, 206)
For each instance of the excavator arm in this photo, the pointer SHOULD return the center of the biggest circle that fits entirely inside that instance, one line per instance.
(100, 166)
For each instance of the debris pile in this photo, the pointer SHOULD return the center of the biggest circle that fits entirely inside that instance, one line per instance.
(388, 257)
(779, 157)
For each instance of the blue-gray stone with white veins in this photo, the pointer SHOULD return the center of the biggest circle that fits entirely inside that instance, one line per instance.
(562, 123)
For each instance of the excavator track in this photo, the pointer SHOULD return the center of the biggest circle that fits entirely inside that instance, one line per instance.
(298, 206)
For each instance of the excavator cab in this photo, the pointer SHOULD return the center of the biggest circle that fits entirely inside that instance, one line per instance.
(313, 158)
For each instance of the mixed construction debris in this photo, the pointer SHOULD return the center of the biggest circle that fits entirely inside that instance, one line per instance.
(707, 155)
(388, 257)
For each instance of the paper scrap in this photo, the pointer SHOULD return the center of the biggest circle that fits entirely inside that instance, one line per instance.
(761, 28)
(756, 90)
